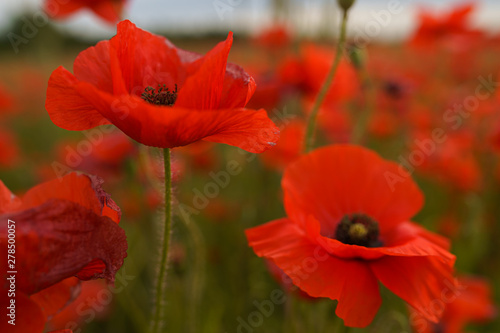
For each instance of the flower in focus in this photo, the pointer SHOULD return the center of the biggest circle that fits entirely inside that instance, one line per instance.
(348, 227)
(159, 95)
(63, 229)
(285, 282)
(470, 303)
(108, 10)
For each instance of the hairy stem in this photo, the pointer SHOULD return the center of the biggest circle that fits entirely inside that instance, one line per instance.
(311, 123)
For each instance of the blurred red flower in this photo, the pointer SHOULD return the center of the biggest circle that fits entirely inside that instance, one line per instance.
(275, 37)
(471, 303)
(104, 156)
(9, 149)
(288, 148)
(309, 70)
(348, 227)
(452, 162)
(108, 10)
(452, 28)
(6, 100)
(62, 229)
(159, 95)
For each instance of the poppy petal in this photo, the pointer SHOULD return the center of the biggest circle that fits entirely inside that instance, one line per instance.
(319, 274)
(238, 88)
(206, 84)
(89, 195)
(61, 9)
(145, 59)
(169, 127)
(59, 238)
(66, 108)
(54, 298)
(419, 281)
(8, 200)
(28, 316)
(93, 65)
(363, 188)
(108, 10)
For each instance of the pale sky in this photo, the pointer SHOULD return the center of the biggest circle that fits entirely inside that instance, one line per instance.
(195, 15)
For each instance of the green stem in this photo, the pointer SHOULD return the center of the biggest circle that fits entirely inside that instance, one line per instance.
(161, 282)
(311, 123)
(359, 130)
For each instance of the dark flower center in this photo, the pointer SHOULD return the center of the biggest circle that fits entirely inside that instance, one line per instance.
(160, 96)
(438, 328)
(358, 229)
(394, 89)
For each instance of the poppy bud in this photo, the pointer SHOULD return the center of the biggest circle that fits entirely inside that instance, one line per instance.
(345, 4)
(357, 56)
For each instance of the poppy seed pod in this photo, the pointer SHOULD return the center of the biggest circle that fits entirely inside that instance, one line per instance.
(345, 4)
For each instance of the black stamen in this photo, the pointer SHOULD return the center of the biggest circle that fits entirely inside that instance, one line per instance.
(358, 229)
(160, 96)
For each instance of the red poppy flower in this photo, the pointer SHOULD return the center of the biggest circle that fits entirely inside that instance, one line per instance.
(275, 37)
(348, 227)
(159, 95)
(108, 10)
(62, 229)
(453, 162)
(334, 119)
(471, 302)
(309, 72)
(452, 28)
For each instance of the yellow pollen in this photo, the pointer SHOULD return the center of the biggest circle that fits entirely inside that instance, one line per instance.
(358, 231)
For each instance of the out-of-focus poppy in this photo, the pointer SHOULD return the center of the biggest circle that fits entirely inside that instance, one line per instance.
(348, 227)
(62, 229)
(451, 162)
(108, 10)
(288, 148)
(9, 155)
(199, 156)
(452, 27)
(333, 118)
(158, 94)
(102, 155)
(471, 302)
(6, 100)
(275, 37)
(312, 67)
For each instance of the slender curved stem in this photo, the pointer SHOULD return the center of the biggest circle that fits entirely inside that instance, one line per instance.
(311, 123)
(161, 282)
(364, 116)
